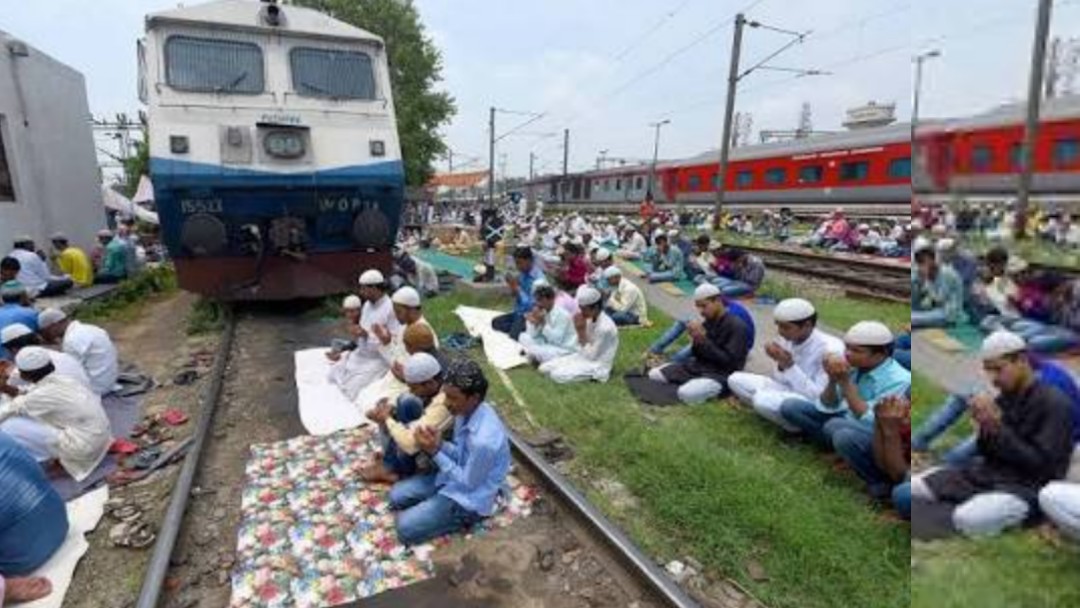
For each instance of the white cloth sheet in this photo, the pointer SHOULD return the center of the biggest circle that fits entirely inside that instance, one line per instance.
(323, 408)
(502, 351)
(84, 513)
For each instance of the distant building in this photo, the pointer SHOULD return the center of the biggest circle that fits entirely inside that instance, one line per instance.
(49, 180)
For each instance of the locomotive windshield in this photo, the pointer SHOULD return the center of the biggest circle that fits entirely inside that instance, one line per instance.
(332, 74)
(213, 66)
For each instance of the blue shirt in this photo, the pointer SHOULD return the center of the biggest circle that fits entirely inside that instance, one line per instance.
(889, 378)
(524, 301)
(10, 314)
(475, 465)
(740, 311)
(32, 514)
(1057, 377)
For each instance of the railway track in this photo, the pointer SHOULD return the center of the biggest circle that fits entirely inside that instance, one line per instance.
(652, 587)
(880, 280)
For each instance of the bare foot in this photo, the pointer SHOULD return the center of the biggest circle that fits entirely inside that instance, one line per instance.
(26, 589)
(377, 473)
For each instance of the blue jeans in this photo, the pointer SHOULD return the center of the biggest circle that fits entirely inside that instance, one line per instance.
(668, 338)
(732, 288)
(661, 276)
(409, 408)
(805, 416)
(854, 441)
(934, 317)
(423, 513)
(622, 318)
(901, 499)
(933, 427)
(511, 324)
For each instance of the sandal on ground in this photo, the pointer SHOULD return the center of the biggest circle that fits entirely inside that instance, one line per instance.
(132, 535)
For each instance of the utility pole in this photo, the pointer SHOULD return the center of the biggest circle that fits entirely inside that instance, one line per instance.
(655, 157)
(491, 158)
(729, 111)
(450, 160)
(1027, 156)
(532, 176)
(565, 164)
(919, 59)
(600, 159)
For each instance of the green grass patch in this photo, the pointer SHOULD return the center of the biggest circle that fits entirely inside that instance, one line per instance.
(129, 297)
(1031, 249)
(840, 313)
(206, 316)
(714, 482)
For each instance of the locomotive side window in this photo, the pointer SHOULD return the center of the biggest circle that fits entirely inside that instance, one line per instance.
(854, 171)
(213, 66)
(775, 176)
(1066, 153)
(811, 174)
(900, 168)
(981, 159)
(743, 179)
(333, 74)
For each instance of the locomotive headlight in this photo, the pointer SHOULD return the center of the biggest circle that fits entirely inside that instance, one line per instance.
(284, 144)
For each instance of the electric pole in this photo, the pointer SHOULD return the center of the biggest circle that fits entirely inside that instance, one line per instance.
(729, 111)
(565, 164)
(491, 157)
(1027, 155)
(450, 160)
(532, 176)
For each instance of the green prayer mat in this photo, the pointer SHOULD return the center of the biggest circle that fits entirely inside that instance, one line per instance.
(452, 264)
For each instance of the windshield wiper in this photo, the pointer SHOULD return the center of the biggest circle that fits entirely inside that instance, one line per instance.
(318, 89)
(235, 83)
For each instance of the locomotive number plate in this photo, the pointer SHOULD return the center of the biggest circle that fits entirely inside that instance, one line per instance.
(189, 206)
(343, 204)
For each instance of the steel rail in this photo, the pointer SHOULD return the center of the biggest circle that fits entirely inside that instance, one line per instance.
(154, 578)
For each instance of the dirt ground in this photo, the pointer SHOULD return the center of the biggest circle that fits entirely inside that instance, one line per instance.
(540, 561)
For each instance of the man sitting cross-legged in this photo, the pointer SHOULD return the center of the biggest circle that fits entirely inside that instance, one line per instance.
(858, 380)
(471, 469)
(798, 356)
(1024, 440)
(597, 344)
(549, 329)
(720, 343)
(423, 406)
(626, 304)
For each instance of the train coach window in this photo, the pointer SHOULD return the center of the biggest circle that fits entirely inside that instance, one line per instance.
(775, 176)
(618, 184)
(1016, 151)
(333, 74)
(638, 183)
(743, 179)
(854, 171)
(213, 66)
(900, 168)
(1066, 153)
(811, 174)
(694, 183)
(981, 159)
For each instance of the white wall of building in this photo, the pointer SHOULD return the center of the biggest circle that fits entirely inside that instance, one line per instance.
(49, 147)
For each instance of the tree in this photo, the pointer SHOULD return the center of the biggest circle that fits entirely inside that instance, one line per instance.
(137, 165)
(415, 69)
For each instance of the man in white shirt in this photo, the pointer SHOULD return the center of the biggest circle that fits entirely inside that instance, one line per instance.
(634, 247)
(368, 362)
(18, 336)
(34, 272)
(598, 342)
(798, 357)
(627, 304)
(549, 329)
(89, 344)
(74, 427)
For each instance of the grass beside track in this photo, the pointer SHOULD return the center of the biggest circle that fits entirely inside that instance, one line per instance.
(713, 482)
(1018, 569)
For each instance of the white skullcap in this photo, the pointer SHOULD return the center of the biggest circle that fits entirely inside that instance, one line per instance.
(706, 291)
(1001, 343)
(612, 271)
(946, 244)
(24, 238)
(869, 333)
(920, 244)
(104, 232)
(421, 367)
(372, 277)
(13, 332)
(406, 296)
(587, 296)
(352, 303)
(537, 284)
(58, 236)
(862, 227)
(50, 316)
(32, 358)
(603, 255)
(1015, 265)
(938, 229)
(672, 234)
(792, 310)
(479, 269)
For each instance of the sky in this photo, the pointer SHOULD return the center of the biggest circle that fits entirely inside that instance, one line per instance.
(606, 69)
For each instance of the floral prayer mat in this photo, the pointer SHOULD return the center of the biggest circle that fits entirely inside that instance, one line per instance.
(314, 535)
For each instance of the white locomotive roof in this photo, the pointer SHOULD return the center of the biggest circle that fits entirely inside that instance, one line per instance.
(1056, 108)
(245, 15)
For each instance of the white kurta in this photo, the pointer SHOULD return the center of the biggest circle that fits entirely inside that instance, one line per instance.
(82, 433)
(628, 298)
(805, 379)
(368, 361)
(555, 338)
(426, 278)
(594, 360)
(388, 386)
(91, 346)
